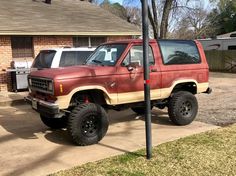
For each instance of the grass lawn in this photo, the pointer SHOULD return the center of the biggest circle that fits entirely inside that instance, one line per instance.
(210, 153)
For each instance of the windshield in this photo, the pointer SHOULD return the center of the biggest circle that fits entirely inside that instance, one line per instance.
(44, 59)
(106, 55)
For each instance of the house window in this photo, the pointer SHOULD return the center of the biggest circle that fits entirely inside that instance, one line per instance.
(88, 41)
(95, 41)
(80, 41)
(22, 47)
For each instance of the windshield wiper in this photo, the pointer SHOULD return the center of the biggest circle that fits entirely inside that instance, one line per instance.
(97, 62)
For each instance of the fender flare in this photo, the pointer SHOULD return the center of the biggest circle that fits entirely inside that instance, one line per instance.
(64, 101)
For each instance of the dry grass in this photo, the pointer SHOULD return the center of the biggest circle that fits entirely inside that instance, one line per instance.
(210, 153)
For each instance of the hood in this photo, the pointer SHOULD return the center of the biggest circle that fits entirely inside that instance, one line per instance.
(73, 72)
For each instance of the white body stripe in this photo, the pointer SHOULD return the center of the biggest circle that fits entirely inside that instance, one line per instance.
(128, 97)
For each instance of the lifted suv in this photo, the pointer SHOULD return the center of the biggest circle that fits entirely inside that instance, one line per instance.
(61, 57)
(76, 97)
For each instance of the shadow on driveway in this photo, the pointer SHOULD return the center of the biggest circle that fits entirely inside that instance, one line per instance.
(23, 122)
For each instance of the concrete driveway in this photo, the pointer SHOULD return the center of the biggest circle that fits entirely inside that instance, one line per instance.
(30, 148)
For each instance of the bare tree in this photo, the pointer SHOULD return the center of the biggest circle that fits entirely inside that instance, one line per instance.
(165, 17)
(161, 12)
(194, 23)
(134, 15)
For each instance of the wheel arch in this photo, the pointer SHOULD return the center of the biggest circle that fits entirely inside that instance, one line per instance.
(189, 86)
(65, 100)
(92, 95)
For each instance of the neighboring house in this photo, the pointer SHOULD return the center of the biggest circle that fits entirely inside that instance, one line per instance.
(27, 26)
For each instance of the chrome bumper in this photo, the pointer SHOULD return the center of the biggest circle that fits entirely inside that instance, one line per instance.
(48, 109)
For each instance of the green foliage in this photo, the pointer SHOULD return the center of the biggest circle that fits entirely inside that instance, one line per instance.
(114, 8)
(223, 18)
(210, 153)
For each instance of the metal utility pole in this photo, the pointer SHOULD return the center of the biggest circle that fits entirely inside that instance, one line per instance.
(146, 79)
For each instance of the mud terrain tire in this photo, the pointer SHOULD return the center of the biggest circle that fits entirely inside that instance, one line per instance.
(182, 108)
(87, 124)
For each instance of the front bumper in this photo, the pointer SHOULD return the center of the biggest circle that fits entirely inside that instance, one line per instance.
(50, 110)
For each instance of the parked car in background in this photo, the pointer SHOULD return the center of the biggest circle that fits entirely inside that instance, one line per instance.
(61, 57)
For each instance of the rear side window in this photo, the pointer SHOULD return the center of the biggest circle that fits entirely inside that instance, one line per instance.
(44, 59)
(70, 58)
(179, 52)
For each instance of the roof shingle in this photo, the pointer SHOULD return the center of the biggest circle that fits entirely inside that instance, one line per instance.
(62, 17)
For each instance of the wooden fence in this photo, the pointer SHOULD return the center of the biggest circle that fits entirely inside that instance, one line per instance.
(223, 61)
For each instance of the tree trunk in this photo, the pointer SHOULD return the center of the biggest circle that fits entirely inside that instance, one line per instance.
(152, 15)
(165, 18)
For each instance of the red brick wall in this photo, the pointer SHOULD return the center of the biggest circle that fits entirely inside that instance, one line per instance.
(114, 38)
(5, 60)
(44, 42)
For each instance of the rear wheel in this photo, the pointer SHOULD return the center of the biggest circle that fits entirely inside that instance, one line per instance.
(182, 108)
(87, 124)
(54, 123)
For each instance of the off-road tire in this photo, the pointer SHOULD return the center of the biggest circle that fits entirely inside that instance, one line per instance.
(54, 123)
(182, 108)
(140, 110)
(87, 124)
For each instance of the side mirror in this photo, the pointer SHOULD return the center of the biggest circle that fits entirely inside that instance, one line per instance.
(132, 66)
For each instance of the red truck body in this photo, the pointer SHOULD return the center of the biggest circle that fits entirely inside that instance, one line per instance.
(178, 70)
(161, 76)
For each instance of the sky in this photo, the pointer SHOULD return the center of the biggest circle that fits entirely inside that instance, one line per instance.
(119, 1)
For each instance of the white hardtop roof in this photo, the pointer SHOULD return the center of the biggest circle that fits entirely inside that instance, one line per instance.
(71, 49)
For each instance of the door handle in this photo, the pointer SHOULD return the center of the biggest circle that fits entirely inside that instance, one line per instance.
(153, 70)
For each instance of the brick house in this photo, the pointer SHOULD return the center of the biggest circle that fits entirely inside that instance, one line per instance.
(27, 26)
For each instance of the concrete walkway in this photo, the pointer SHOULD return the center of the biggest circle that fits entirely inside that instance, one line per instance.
(12, 98)
(30, 148)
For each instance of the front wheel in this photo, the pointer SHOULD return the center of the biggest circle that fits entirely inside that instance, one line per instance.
(54, 123)
(182, 108)
(87, 124)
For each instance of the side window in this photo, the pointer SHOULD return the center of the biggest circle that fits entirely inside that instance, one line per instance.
(179, 52)
(68, 58)
(135, 55)
(81, 56)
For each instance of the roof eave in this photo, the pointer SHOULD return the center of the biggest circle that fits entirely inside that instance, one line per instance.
(72, 33)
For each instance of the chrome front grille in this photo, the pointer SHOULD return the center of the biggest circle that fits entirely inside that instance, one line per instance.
(41, 84)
